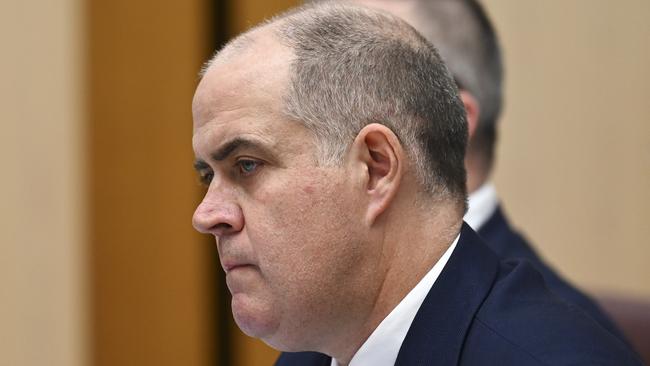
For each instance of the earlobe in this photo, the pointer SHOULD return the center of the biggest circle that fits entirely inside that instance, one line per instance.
(381, 155)
(472, 110)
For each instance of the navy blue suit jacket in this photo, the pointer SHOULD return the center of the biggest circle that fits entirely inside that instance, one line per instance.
(484, 311)
(509, 244)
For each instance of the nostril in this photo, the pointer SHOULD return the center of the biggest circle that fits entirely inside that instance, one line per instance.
(223, 228)
(223, 225)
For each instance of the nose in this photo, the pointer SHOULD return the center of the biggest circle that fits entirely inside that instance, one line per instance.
(218, 215)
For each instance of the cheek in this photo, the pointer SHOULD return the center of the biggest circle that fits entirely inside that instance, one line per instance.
(307, 241)
(307, 231)
(291, 226)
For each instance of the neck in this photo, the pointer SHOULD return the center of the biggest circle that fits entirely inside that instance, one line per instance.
(427, 231)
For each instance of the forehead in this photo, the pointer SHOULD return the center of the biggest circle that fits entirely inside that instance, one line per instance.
(242, 96)
(256, 75)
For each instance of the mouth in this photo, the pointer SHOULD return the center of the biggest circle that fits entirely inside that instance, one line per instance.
(229, 267)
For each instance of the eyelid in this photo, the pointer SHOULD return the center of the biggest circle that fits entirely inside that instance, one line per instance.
(246, 159)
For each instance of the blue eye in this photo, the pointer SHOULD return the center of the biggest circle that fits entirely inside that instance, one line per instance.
(248, 166)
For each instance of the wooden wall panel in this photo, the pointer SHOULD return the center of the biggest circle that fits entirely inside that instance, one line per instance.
(152, 275)
(244, 14)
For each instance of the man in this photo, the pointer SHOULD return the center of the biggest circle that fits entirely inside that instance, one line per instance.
(331, 141)
(461, 31)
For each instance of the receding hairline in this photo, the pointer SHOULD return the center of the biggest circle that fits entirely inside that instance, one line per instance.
(231, 50)
(274, 26)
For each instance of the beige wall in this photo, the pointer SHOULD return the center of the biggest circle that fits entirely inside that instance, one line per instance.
(574, 157)
(42, 270)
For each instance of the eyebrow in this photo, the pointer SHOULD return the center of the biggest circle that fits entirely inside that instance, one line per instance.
(228, 149)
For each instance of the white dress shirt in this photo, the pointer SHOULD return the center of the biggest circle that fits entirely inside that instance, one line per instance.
(482, 204)
(382, 347)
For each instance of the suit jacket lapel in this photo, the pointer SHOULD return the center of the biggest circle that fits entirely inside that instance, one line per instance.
(303, 359)
(438, 331)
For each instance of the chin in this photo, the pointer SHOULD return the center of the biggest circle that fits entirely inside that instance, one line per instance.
(262, 322)
(254, 319)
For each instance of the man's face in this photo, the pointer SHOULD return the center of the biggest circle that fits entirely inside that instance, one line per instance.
(289, 232)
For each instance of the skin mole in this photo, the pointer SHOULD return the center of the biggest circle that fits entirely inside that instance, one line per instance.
(308, 189)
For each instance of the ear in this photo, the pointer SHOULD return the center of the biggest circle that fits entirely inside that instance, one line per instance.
(472, 110)
(380, 161)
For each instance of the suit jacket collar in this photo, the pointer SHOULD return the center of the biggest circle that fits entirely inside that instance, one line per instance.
(494, 227)
(438, 331)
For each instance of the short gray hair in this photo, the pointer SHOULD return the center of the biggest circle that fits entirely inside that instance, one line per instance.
(354, 66)
(468, 43)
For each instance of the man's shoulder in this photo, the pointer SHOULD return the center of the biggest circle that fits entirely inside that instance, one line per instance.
(521, 322)
(508, 243)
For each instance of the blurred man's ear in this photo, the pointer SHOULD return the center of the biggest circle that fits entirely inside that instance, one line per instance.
(472, 110)
(379, 160)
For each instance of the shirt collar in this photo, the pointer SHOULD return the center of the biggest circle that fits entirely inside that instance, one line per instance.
(382, 347)
(482, 204)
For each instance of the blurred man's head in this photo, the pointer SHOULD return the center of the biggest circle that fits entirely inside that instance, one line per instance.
(466, 40)
(331, 140)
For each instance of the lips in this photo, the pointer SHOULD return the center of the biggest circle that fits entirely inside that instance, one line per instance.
(240, 277)
(232, 267)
